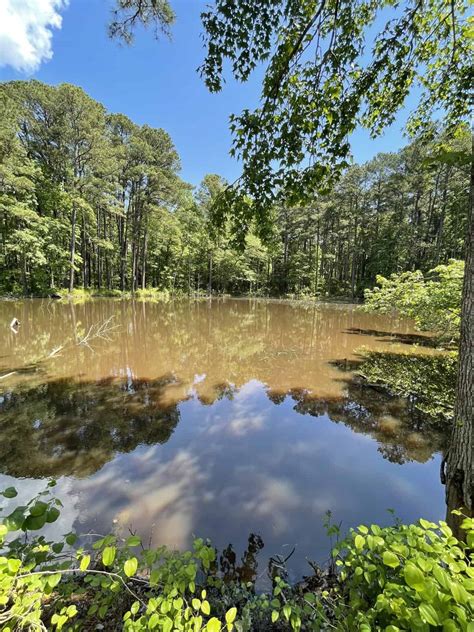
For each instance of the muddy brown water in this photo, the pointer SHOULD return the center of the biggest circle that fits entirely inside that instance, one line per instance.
(218, 418)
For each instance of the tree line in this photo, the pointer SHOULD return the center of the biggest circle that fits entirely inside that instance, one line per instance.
(90, 199)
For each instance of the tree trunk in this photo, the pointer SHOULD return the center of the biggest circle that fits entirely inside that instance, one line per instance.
(144, 256)
(209, 288)
(459, 461)
(73, 247)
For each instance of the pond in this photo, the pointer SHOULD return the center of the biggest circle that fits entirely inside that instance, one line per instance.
(225, 418)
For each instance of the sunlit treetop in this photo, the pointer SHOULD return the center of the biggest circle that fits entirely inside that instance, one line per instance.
(330, 71)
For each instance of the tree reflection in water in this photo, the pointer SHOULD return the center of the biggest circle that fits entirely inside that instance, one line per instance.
(64, 427)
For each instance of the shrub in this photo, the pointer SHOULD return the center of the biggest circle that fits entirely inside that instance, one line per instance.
(407, 577)
(432, 300)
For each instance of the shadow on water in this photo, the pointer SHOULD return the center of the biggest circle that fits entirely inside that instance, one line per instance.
(402, 338)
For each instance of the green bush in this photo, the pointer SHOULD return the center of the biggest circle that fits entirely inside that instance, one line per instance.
(432, 300)
(407, 577)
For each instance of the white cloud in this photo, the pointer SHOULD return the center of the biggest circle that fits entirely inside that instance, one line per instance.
(26, 32)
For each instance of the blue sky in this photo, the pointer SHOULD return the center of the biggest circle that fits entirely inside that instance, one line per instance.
(156, 82)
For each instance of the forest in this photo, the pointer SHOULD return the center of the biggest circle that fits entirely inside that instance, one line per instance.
(89, 199)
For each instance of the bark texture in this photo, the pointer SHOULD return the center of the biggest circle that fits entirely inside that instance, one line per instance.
(459, 462)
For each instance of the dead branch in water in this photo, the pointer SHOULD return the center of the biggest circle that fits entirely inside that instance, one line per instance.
(98, 330)
(2, 377)
(95, 331)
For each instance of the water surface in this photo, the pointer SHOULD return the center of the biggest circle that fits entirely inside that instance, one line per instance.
(218, 418)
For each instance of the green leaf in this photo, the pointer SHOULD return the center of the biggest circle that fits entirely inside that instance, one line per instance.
(71, 539)
(53, 580)
(16, 519)
(275, 616)
(213, 625)
(85, 561)
(38, 509)
(359, 542)
(130, 567)
(9, 492)
(166, 625)
(429, 614)
(390, 559)
(33, 523)
(108, 555)
(230, 615)
(458, 592)
(13, 565)
(52, 514)
(3, 530)
(133, 540)
(414, 577)
(206, 608)
(153, 621)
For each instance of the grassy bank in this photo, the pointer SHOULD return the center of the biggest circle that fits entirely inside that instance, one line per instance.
(155, 294)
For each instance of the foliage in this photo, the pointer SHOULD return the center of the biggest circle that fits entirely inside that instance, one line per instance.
(415, 575)
(332, 66)
(432, 300)
(428, 380)
(157, 14)
(118, 217)
(408, 577)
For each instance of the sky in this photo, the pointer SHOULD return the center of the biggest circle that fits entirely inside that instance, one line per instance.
(153, 82)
